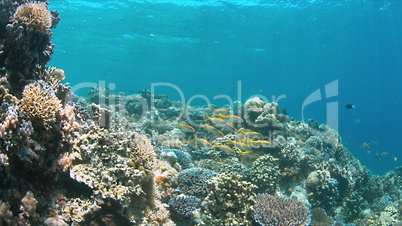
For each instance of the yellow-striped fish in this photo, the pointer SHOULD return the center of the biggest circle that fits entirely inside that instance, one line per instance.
(231, 118)
(201, 141)
(216, 121)
(211, 129)
(249, 154)
(260, 143)
(191, 143)
(186, 128)
(240, 145)
(252, 134)
(221, 111)
(225, 149)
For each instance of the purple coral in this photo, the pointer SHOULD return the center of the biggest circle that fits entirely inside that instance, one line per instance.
(271, 210)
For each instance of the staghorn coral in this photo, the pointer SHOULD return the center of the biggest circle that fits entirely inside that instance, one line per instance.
(193, 181)
(229, 200)
(40, 105)
(35, 15)
(183, 205)
(271, 210)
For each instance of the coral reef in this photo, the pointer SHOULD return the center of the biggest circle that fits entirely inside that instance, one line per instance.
(194, 181)
(229, 201)
(27, 46)
(184, 206)
(265, 173)
(270, 210)
(40, 105)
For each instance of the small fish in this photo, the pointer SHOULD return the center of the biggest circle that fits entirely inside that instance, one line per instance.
(350, 106)
(260, 143)
(310, 194)
(384, 154)
(252, 134)
(368, 152)
(216, 121)
(366, 145)
(294, 178)
(186, 128)
(231, 118)
(240, 145)
(377, 155)
(225, 149)
(202, 142)
(191, 143)
(58, 74)
(249, 154)
(395, 159)
(379, 161)
(211, 129)
(221, 111)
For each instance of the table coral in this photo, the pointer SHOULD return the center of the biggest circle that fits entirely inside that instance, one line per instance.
(229, 201)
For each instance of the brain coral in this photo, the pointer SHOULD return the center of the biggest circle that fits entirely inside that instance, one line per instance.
(271, 210)
(34, 14)
(40, 105)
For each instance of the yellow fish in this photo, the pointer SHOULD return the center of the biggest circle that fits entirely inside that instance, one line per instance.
(260, 143)
(240, 145)
(216, 121)
(201, 141)
(395, 159)
(384, 153)
(211, 129)
(231, 118)
(252, 134)
(221, 111)
(186, 128)
(225, 148)
(249, 154)
(191, 143)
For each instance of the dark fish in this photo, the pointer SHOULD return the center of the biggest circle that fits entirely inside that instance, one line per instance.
(350, 106)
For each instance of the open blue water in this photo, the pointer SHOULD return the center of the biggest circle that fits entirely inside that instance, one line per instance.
(287, 49)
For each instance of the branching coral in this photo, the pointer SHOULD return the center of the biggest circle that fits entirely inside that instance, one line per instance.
(270, 210)
(34, 14)
(40, 105)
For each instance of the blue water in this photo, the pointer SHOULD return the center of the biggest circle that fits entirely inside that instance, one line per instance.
(272, 49)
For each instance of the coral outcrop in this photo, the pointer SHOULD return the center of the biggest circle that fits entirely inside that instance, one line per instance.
(229, 200)
(271, 210)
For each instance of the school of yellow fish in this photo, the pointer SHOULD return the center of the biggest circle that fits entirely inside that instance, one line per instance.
(221, 122)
